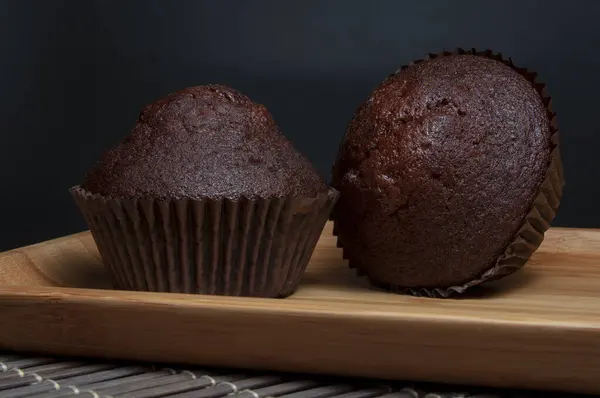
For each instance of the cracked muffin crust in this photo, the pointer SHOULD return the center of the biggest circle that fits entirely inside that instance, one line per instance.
(438, 170)
(204, 141)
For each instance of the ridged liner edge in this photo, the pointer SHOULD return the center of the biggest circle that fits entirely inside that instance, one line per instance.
(256, 247)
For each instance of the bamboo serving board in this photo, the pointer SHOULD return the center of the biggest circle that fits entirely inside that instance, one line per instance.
(539, 328)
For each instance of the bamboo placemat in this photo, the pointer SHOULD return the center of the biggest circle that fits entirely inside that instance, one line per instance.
(41, 377)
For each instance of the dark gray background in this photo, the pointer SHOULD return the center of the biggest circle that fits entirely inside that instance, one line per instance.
(74, 75)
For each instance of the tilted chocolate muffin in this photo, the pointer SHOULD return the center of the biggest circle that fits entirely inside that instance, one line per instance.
(205, 196)
(449, 175)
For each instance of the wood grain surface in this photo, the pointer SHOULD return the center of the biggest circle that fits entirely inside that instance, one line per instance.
(539, 328)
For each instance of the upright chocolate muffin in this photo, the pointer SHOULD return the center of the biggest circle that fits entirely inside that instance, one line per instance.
(205, 196)
(449, 175)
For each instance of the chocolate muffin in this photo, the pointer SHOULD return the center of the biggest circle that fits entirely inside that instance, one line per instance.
(449, 175)
(205, 196)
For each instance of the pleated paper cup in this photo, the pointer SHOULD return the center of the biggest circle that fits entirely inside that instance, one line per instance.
(248, 247)
(543, 209)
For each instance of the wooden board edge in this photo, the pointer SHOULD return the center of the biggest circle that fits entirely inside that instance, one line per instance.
(559, 357)
(13, 295)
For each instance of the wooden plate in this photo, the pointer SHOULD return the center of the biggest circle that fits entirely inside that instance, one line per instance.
(537, 329)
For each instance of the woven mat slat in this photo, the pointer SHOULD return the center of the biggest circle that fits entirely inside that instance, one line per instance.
(48, 388)
(365, 393)
(148, 384)
(41, 377)
(278, 390)
(107, 382)
(23, 362)
(109, 374)
(131, 380)
(41, 370)
(324, 391)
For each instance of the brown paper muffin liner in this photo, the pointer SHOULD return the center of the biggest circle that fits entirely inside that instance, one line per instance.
(247, 247)
(537, 221)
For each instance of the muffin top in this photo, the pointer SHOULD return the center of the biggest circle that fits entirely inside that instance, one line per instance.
(204, 142)
(438, 169)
